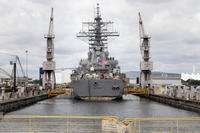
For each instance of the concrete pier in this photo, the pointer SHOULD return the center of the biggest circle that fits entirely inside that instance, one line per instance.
(175, 102)
(11, 105)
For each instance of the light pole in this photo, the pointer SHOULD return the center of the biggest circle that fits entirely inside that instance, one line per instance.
(26, 63)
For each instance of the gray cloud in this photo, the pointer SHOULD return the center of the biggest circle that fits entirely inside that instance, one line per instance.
(172, 24)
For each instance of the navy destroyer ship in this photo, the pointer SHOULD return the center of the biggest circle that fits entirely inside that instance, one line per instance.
(98, 76)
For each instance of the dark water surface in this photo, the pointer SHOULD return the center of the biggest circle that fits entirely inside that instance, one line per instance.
(131, 106)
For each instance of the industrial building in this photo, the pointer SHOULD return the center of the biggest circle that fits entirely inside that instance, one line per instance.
(186, 76)
(159, 78)
(63, 76)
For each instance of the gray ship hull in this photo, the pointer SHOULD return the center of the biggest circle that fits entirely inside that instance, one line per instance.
(98, 88)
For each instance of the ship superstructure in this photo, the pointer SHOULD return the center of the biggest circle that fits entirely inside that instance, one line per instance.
(99, 75)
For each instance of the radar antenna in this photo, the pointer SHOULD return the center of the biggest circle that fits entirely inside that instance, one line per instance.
(97, 32)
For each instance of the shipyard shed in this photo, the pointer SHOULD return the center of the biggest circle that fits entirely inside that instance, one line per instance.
(63, 76)
(158, 78)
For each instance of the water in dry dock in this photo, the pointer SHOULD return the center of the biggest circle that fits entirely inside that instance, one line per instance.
(131, 106)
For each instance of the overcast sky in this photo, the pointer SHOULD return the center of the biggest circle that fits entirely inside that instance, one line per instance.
(174, 27)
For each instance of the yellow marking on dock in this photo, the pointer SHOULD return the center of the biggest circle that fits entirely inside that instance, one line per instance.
(95, 124)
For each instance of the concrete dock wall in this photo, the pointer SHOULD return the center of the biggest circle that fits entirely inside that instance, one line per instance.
(175, 102)
(15, 104)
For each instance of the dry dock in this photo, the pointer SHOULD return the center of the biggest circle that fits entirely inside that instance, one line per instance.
(175, 102)
(11, 105)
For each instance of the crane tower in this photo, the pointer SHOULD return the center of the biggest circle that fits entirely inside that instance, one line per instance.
(49, 65)
(146, 66)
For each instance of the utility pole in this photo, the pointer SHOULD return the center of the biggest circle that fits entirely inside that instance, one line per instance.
(26, 64)
(146, 66)
(14, 77)
(49, 65)
(14, 74)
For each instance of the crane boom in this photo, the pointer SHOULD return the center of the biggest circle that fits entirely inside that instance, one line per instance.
(5, 73)
(17, 59)
(141, 27)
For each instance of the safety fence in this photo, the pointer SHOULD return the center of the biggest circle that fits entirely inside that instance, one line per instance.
(60, 91)
(136, 90)
(97, 124)
(164, 125)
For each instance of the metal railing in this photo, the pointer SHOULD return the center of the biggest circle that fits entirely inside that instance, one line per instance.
(97, 124)
(136, 89)
(130, 89)
(60, 91)
(164, 125)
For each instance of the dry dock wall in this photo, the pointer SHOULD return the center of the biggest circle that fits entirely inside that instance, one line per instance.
(12, 105)
(175, 102)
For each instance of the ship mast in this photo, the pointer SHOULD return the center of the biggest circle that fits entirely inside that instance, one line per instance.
(49, 64)
(146, 65)
(97, 33)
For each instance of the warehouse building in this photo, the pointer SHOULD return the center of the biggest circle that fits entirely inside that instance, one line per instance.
(160, 78)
